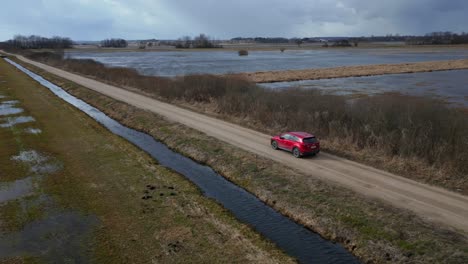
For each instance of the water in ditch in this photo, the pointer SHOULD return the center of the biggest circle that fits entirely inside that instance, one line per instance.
(294, 239)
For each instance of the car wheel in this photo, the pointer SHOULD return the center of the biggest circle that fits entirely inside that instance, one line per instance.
(296, 153)
(274, 145)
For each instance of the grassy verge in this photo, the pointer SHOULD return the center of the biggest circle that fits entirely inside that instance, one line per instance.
(104, 176)
(374, 231)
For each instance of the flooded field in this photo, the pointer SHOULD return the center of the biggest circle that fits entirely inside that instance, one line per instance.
(451, 86)
(174, 63)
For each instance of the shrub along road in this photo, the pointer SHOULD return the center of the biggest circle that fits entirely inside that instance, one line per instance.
(431, 203)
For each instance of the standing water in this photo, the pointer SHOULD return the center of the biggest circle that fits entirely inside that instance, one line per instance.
(294, 239)
(174, 63)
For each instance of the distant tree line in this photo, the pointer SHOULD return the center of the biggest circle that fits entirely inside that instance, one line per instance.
(275, 40)
(114, 43)
(439, 38)
(38, 42)
(201, 41)
(433, 38)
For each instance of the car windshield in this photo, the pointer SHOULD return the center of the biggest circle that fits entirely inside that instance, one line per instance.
(310, 140)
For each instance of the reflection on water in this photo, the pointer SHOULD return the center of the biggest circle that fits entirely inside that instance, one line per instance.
(14, 190)
(173, 63)
(448, 85)
(33, 131)
(57, 239)
(9, 110)
(11, 121)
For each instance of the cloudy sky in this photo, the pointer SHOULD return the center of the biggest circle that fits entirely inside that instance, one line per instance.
(170, 19)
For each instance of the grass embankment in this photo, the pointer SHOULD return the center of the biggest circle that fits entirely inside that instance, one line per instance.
(419, 138)
(355, 71)
(374, 231)
(104, 176)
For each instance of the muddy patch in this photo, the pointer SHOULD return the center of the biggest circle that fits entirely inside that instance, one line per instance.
(12, 121)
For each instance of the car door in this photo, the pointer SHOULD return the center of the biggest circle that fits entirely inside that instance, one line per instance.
(291, 142)
(283, 141)
(288, 142)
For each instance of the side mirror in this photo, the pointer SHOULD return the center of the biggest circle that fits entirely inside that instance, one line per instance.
(281, 137)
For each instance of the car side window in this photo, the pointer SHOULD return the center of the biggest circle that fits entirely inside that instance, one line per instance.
(287, 136)
(294, 138)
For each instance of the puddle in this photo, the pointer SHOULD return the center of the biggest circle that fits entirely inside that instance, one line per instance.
(33, 130)
(17, 189)
(294, 239)
(11, 121)
(39, 164)
(56, 236)
(57, 239)
(9, 109)
(48, 168)
(30, 156)
(10, 102)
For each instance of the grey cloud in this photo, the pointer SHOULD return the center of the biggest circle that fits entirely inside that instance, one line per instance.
(87, 19)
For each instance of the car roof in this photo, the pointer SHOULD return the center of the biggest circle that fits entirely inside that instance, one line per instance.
(301, 134)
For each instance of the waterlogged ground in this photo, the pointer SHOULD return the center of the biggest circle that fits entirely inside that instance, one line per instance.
(32, 226)
(451, 86)
(172, 63)
(72, 192)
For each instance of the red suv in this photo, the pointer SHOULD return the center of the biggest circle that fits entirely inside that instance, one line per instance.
(299, 143)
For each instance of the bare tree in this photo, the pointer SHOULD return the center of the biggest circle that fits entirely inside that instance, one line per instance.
(38, 42)
(184, 43)
(114, 43)
(202, 41)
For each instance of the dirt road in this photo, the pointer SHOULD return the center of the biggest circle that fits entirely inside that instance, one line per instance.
(431, 203)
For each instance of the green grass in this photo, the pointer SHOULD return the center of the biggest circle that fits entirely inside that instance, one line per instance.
(17, 214)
